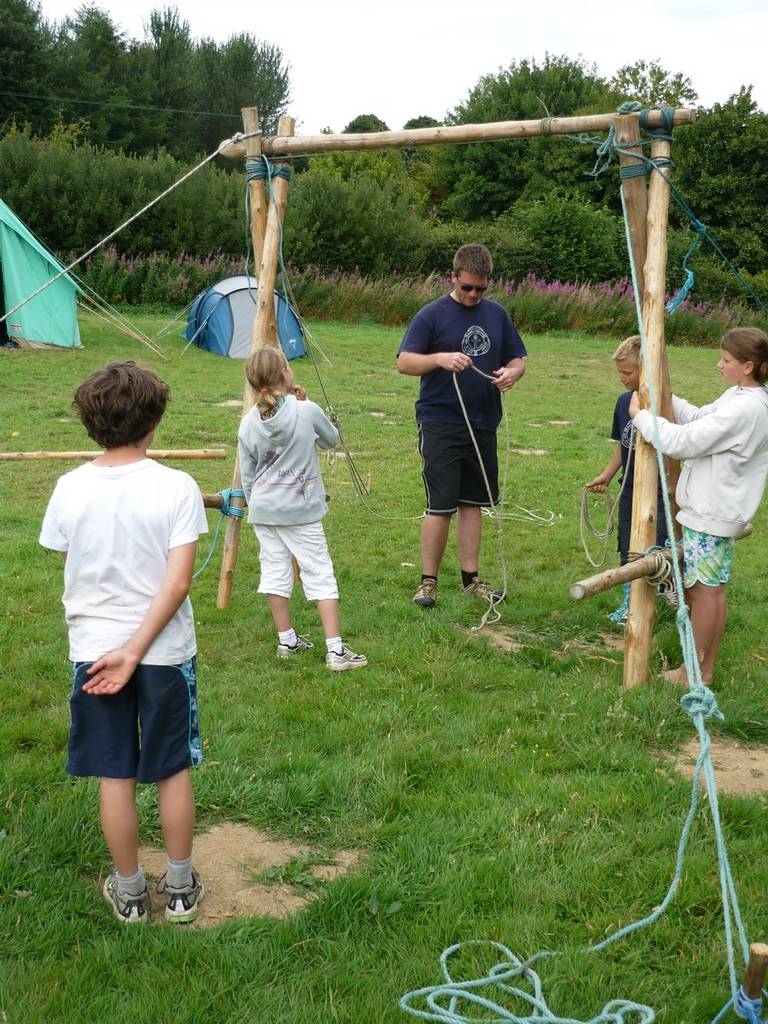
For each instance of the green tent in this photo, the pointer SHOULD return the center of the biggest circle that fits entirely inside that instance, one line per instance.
(25, 264)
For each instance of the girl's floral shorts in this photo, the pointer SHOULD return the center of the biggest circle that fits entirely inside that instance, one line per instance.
(706, 558)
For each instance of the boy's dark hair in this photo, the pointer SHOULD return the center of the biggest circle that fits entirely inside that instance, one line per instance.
(473, 259)
(748, 345)
(120, 403)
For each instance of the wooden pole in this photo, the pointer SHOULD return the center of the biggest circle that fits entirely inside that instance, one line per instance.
(269, 238)
(637, 569)
(153, 453)
(286, 144)
(635, 188)
(642, 599)
(754, 976)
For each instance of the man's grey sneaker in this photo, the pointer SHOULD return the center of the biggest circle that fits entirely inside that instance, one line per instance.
(482, 590)
(302, 644)
(426, 594)
(181, 905)
(128, 908)
(346, 660)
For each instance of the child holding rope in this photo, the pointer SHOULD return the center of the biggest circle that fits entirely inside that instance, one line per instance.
(725, 445)
(128, 530)
(627, 361)
(281, 478)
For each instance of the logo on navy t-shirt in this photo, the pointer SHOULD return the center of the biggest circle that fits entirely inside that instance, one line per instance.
(475, 342)
(627, 436)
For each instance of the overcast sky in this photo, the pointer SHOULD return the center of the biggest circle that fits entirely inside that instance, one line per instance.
(402, 58)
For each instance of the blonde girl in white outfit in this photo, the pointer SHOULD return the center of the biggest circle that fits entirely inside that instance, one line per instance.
(725, 448)
(280, 470)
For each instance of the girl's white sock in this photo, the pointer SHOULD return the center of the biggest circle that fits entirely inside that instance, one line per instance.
(288, 638)
(334, 645)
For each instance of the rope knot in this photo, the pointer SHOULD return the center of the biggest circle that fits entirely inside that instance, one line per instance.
(228, 509)
(700, 700)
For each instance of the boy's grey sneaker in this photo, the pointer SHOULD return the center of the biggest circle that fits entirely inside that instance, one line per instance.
(346, 660)
(302, 644)
(128, 908)
(181, 905)
(426, 594)
(483, 590)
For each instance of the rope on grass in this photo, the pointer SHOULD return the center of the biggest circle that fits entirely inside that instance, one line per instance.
(700, 704)
(227, 509)
(446, 1001)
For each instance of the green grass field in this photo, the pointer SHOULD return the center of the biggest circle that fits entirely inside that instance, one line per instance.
(518, 796)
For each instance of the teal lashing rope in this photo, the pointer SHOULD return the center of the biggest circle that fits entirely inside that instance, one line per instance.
(605, 152)
(226, 510)
(443, 1001)
(700, 705)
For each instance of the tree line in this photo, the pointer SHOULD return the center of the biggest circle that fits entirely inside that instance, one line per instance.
(537, 201)
(167, 91)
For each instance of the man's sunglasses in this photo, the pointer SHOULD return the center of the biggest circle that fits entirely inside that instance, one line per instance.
(474, 287)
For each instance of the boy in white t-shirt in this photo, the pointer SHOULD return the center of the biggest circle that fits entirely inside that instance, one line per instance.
(128, 530)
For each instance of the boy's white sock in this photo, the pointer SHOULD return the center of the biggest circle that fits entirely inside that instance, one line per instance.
(288, 638)
(178, 873)
(334, 645)
(131, 885)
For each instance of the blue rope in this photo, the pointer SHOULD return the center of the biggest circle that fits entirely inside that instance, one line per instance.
(227, 509)
(645, 165)
(700, 705)
(261, 168)
(443, 1001)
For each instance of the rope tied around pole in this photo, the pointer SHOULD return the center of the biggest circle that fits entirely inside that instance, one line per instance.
(227, 510)
(261, 168)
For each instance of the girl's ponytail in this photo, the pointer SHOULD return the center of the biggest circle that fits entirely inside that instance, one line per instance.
(264, 372)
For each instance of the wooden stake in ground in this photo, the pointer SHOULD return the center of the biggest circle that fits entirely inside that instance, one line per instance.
(754, 976)
(642, 599)
(269, 239)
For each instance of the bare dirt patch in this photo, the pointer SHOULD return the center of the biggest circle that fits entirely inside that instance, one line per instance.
(512, 640)
(229, 858)
(561, 423)
(739, 770)
(529, 451)
(233, 403)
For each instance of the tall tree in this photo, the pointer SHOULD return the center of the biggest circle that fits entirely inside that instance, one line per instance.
(652, 85)
(366, 123)
(721, 169)
(483, 180)
(25, 54)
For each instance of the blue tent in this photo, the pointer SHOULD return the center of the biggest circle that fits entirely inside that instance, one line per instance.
(220, 320)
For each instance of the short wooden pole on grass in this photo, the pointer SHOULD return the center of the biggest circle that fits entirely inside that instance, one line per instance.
(642, 599)
(153, 453)
(754, 976)
(264, 333)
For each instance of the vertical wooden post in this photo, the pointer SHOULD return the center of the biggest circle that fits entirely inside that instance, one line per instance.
(642, 599)
(627, 128)
(266, 233)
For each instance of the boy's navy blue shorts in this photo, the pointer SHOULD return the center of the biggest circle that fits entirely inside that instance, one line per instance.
(625, 525)
(452, 474)
(148, 731)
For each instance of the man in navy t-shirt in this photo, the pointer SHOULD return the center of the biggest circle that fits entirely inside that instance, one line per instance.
(445, 344)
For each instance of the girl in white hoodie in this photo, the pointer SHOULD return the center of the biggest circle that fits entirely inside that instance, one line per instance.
(725, 448)
(284, 489)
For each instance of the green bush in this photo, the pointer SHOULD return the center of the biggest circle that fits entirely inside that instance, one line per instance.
(566, 239)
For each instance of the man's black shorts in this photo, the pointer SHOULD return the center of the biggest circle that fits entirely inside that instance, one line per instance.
(452, 474)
